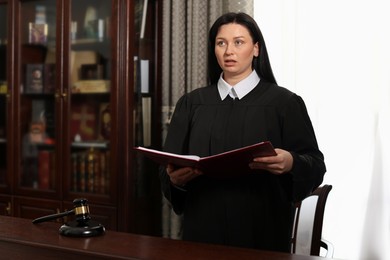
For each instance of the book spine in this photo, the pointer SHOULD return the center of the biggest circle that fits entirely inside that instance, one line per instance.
(44, 170)
(103, 168)
(144, 77)
(147, 120)
(97, 172)
(107, 172)
(75, 172)
(82, 171)
(49, 78)
(105, 121)
(90, 170)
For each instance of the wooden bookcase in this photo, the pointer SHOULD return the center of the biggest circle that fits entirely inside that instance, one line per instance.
(71, 110)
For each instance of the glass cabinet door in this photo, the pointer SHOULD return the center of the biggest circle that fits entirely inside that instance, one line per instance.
(90, 80)
(3, 94)
(37, 95)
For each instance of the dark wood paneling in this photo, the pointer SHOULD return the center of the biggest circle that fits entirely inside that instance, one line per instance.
(34, 208)
(20, 239)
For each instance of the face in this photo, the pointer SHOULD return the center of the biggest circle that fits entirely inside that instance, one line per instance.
(234, 49)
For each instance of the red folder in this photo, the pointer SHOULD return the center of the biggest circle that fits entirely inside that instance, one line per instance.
(227, 164)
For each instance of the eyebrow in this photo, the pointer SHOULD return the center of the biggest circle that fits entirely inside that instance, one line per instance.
(237, 37)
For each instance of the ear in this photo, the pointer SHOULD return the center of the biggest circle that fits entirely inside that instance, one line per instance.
(256, 50)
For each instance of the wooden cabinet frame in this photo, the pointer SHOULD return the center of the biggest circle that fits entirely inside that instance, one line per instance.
(124, 209)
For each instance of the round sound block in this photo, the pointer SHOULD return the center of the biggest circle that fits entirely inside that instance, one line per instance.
(82, 229)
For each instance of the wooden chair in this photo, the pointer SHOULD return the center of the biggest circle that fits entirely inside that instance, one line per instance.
(307, 230)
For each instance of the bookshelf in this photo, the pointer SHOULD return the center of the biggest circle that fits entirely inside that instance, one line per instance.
(70, 109)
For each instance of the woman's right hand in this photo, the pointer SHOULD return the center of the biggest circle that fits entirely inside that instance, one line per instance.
(181, 176)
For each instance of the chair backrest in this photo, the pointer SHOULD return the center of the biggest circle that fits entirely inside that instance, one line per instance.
(309, 216)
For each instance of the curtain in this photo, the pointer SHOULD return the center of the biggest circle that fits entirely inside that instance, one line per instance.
(336, 55)
(184, 61)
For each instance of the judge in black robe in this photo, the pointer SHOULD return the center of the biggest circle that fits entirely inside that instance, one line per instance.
(252, 210)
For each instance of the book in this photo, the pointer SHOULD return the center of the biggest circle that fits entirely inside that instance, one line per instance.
(49, 78)
(104, 121)
(82, 178)
(83, 121)
(144, 77)
(147, 120)
(90, 177)
(104, 172)
(143, 21)
(44, 170)
(97, 171)
(38, 33)
(78, 58)
(89, 171)
(91, 86)
(91, 71)
(75, 172)
(227, 164)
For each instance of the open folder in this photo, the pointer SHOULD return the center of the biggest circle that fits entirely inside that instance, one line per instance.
(226, 164)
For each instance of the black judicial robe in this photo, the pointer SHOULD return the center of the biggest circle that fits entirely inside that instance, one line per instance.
(253, 210)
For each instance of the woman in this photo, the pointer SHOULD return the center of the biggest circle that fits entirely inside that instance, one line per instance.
(242, 105)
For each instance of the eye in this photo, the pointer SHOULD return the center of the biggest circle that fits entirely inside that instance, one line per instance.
(239, 42)
(220, 43)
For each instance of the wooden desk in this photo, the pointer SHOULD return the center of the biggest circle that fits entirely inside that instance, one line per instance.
(20, 239)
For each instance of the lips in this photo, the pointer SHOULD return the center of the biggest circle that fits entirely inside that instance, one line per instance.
(230, 62)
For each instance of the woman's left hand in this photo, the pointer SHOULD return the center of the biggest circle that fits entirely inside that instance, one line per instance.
(281, 163)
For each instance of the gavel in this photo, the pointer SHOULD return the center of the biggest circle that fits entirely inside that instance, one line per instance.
(83, 226)
(80, 210)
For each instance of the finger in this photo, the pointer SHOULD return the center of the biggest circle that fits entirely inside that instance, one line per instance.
(266, 159)
(258, 165)
(272, 168)
(182, 176)
(170, 168)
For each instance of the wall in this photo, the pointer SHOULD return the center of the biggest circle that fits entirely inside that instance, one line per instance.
(335, 54)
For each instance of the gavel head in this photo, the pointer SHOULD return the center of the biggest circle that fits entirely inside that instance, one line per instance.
(81, 210)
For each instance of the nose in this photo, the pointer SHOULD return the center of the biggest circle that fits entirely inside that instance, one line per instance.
(229, 49)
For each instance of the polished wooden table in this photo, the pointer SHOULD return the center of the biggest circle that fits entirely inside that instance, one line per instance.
(20, 239)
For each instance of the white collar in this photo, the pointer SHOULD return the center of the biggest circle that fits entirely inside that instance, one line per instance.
(241, 88)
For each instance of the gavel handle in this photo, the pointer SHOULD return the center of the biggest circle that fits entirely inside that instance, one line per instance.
(53, 216)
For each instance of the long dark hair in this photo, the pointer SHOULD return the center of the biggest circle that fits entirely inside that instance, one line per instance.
(261, 63)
